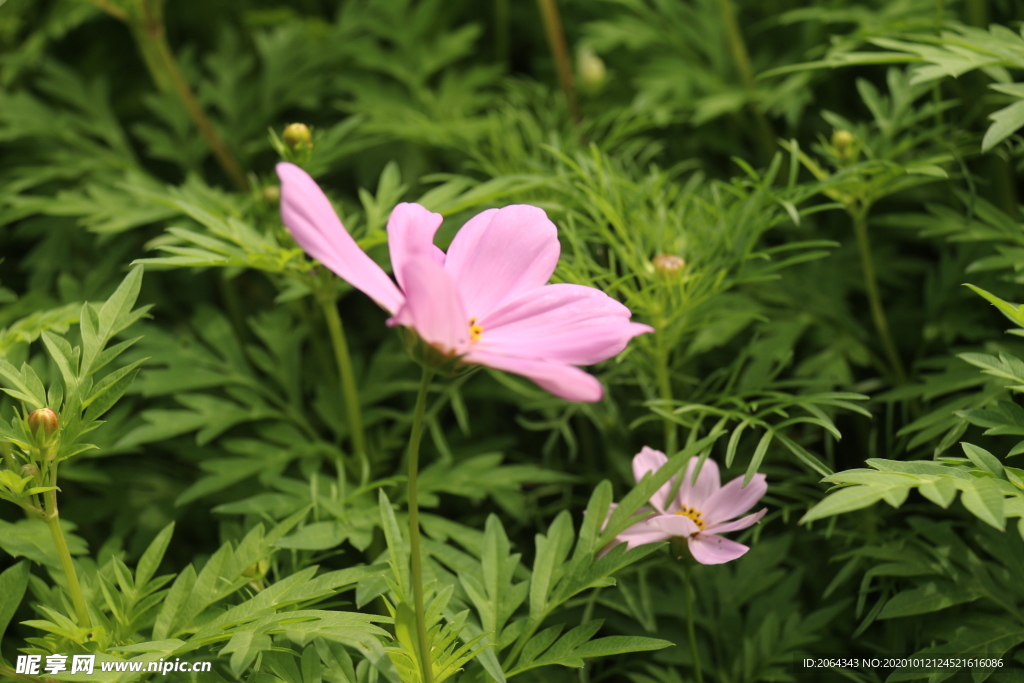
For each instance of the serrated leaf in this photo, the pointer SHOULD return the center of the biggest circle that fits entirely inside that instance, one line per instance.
(931, 597)
(983, 460)
(940, 491)
(849, 499)
(984, 499)
(1005, 123)
(13, 582)
(153, 556)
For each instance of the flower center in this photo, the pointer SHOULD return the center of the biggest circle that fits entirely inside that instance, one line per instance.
(474, 330)
(694, 514)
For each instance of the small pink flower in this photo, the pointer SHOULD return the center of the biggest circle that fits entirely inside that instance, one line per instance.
(699, 512)
(486, 301)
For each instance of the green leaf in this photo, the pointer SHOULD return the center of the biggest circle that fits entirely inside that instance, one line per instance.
(931, 597)
(1009, 310)
(804, 455)
(552, 551)
(941, 491)
(759, 452)
(595, 515)
(31, 539)
(984, 499)
(153, 556)
(27, 385)
(176, 597)
(13, 583)
(115, 315)
(397, 545)
(852, 498)
(62, 354)
(619, 645)
(984, 460)
(109, 390)
(1005, 123)
(315, 536)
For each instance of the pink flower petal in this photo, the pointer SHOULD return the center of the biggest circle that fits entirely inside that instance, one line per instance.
(733, 499)
(674, 525)
(433, 306)
(564, 381)
(712, 549)
(650, 460)
(309, 216)
(562, 322)
(560, 303)
(411, 230)
(741, 523)
(500, 254)
(696, 494)
(581, 344)
(641, 534)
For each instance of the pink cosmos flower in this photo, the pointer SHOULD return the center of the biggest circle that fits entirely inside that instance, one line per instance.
(486, 301)
(699, 512)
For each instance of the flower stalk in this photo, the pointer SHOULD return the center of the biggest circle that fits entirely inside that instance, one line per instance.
(860, 229)
(147, 27)
(665, 388)
(416, 568)
(691, 632)
(64, 553)
(741, 60)
(44, 424)
(346, 375)
(560, 53)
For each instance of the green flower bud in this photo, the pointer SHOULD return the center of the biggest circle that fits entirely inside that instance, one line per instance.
(845, 145)
(30, 470)
(257, 570)
(271, 194)
(592, 72)
(44, 419)
(297, 136)
(668, 266)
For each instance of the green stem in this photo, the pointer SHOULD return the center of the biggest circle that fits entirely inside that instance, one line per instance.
(860, 228)
(346, 375)
(149, 33)
(53, 521)
(560, 53)
(665, 388)
(5, 449)
(977, 13)
(416, 569)
(690, 630)
(741, 60)
(501, 33)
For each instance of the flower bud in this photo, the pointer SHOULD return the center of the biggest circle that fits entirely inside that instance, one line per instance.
(668, 266)
(256, 570)
(43, 418)
(842, 139)
(29, 470)
(592, 72)
(297, 136)
(271, 194)
(845, 145)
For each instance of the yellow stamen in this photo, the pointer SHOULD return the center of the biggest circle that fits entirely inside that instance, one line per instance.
(474, 330)
(694, 514)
